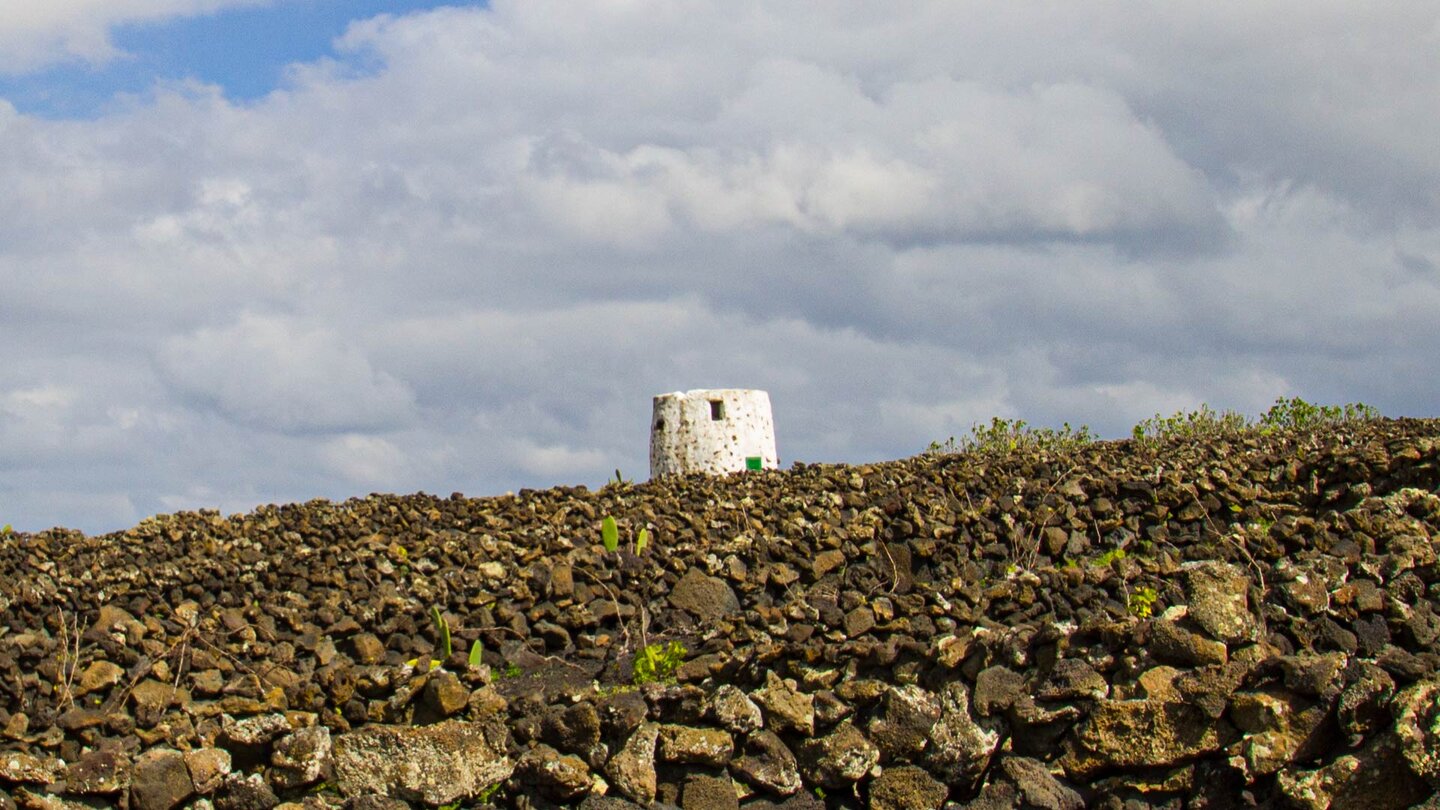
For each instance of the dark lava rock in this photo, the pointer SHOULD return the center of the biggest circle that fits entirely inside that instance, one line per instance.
(1229, 618)
(706, 597)
(907, 788)
(160, 780)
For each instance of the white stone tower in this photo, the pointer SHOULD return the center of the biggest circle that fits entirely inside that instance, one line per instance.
(712, 430)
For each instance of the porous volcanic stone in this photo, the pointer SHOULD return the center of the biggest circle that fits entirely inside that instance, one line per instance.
(907, 788)
(704, 596)
(447, 762)
(160, 780)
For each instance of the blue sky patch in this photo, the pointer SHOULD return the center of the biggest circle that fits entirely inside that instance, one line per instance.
(244, 51)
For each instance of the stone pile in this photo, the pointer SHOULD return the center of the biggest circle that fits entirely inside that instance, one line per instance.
(1245, 621)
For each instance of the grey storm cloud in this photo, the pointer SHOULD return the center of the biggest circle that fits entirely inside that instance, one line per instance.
(462, 253)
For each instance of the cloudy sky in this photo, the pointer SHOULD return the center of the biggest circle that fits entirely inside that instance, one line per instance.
(259, 251)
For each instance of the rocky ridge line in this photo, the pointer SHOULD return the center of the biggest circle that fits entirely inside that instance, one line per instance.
(1253, 620)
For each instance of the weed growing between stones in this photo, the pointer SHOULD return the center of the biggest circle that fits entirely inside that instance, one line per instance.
(1004, 436)
(1142, 602)
(1297, 413)
(1285, 414)
(657, 663)
(609, 534)
(442, 632)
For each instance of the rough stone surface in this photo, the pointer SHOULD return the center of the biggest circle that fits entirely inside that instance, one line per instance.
(632, 769)
(1417, 725)
(769, 765)
(708, 793)
(972, 617)
(98, 772)
(708, 598)
(447, 762)
(1143, 733)
(301, 758)
(838, 759)
(561, 777)
(1037, 787)
(786, 708)
(907, 788)
(697, 746)
(160, 780)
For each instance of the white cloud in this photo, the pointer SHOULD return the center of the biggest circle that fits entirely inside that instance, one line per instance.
(366, 460)
(272, 374)
(469, 265)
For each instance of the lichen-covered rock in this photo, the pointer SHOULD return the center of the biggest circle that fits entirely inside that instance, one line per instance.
(1172, 643)
(560, 777)
(444, 695)
(839, 758)
(98, 772)
(960, 748)
(160, 780)
(907, 788)
(768, 764)
(786, 708)
(208, 768)
(1417, 725)
(1141, 733)
(1217, 600)
(22, 768)
(632, 769)
(901, 729)
(1280, 728)
(245, 792)
(1374, 778)
(734, 710)
(439, 764)
(706, 597)
(300, 758)
(696, 746)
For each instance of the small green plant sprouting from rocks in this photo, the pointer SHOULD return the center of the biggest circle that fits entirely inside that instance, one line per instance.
(657, 662)
(1142, 602)
(476, 652)
(442, 631)
(609, 534)
(1111, 557)
(7, 529)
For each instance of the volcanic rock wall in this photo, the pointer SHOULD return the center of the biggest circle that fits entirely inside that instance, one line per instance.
(1251, 620)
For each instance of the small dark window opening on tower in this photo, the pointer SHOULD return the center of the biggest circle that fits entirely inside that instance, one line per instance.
(717, 410)
(660, 424)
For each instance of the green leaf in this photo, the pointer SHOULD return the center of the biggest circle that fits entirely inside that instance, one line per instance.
(442, 630)
(475, 651)
(609, 534)
(642, 540)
